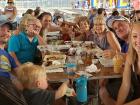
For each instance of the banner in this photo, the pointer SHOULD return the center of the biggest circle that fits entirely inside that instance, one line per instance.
(94, 3)
(112, 3)
(123, 3)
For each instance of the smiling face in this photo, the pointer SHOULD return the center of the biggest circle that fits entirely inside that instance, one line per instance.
(37, 27)
(99, 25)
(122, 29)
(46, 20)
(4, 33)
(33, 27)
(84, 26)
(135, 37)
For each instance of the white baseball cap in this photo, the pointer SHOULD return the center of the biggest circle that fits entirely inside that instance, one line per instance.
(116, 18)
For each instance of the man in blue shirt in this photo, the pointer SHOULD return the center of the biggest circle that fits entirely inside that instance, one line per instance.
(23, 47)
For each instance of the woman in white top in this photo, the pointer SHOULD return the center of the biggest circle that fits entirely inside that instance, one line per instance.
(10, 10)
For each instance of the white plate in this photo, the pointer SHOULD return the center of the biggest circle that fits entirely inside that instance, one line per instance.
(106, 62)
(55, 57)
(42, 47)
(53, 33)
(57, 47)
(95, 61)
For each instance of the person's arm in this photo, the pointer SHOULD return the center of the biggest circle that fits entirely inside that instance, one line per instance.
(113, 42)
(4, 12)
(14, 13)
(61, 90)
(40, 40)
(14, 46)
(15, 58)
(135, 102)
(125, 86)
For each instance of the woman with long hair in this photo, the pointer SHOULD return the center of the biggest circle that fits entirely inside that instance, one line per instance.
(131, 74)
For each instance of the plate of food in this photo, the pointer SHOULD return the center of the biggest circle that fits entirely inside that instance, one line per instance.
(55, 57)
(54, 61)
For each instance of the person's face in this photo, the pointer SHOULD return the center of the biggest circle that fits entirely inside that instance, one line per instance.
(33, 14)
(46, 20)
(135, 37)
(37, 27)
(42, 82)
(99, 27)
(60, 21)
(92, 11)
(122, 29)
(84, 26)
(65, 28)
(33, 28)
(4, 33)
(138, 16)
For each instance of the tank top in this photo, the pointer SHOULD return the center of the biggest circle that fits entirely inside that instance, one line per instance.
(102, 43)
(135, 80)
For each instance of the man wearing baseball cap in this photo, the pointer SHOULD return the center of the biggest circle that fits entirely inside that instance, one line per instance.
(121, 26)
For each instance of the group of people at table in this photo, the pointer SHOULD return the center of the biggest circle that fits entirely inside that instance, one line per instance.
(22, 47)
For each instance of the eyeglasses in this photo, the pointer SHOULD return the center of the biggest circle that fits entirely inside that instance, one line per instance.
(35, 26)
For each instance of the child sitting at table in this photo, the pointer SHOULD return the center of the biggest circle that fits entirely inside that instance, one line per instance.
(34, 81)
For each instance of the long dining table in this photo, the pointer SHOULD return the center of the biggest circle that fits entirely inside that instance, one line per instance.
(104, 73)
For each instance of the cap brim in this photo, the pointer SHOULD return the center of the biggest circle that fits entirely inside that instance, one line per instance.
(112, 20)
(10, 25)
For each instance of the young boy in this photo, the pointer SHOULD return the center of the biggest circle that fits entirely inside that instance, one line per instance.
(34, 81)
(9, 94)
(7, 63)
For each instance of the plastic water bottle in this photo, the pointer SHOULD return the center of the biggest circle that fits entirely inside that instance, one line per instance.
(81, 89)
